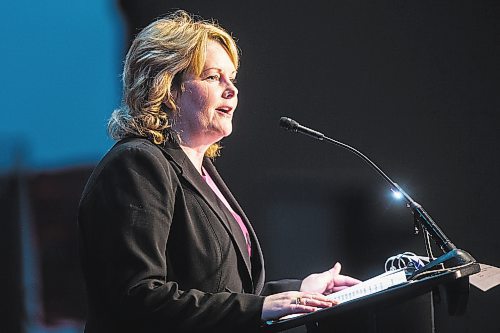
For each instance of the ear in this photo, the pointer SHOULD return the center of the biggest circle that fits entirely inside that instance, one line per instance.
(168, 106)
(177, 85)
(176, 93)
(176, 90)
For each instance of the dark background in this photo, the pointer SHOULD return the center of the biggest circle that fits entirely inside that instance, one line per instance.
(412, 84)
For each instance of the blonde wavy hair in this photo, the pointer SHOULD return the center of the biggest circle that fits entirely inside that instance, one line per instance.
(155, 63)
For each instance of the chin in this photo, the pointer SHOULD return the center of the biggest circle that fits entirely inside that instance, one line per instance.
(224, 130)
(216, 134)
(228, 131)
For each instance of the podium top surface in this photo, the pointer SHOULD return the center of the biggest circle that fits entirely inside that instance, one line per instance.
(386, 297)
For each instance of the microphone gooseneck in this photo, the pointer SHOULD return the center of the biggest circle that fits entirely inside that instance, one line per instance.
(294, 126)
(458, 257)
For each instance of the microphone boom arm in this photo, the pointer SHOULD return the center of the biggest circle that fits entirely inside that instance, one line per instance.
(453, 256)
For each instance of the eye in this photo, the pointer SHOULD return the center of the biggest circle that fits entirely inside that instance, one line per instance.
(214, 77)
(233, 80)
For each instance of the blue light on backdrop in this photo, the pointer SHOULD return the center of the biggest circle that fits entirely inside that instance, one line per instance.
(60, 80)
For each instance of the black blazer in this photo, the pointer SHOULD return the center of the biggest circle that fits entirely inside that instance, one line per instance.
(160, 252)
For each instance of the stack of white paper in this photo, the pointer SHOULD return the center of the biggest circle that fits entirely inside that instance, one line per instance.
(373, 285)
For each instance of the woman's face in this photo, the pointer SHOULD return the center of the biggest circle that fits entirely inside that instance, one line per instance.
(207, 102)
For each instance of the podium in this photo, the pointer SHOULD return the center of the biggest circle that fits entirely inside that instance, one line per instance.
(408, 307)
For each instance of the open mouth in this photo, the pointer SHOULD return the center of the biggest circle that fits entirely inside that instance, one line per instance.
(225, 110)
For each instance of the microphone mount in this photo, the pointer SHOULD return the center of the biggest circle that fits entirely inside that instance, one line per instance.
(452, 257)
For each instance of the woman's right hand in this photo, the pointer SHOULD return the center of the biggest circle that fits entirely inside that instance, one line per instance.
(291, 302)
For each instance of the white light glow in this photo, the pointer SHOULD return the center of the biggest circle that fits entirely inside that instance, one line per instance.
(397, 195)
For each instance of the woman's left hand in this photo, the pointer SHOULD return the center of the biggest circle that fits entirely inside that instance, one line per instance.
(327, 282)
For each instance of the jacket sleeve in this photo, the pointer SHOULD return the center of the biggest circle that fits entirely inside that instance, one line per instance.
(124, 219)
(274, 287)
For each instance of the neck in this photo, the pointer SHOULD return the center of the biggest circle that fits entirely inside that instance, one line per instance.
(194, 147)
(195, 155)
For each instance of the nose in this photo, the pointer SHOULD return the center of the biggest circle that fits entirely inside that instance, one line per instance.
(230, 91)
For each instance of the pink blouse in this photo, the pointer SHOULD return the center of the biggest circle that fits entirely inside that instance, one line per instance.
(238, 218)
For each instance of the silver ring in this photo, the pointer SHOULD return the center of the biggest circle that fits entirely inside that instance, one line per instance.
(298, 301)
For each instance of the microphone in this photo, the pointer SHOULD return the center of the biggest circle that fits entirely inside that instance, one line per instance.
(294, 126)
(452, 255)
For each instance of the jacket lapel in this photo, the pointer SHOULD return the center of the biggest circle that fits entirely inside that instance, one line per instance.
(188, 172)
(257, 260)
(237, 232)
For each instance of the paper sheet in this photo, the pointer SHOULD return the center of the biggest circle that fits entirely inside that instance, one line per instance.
(487, 278)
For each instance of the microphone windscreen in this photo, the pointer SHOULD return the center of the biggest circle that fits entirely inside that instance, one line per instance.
(288, 123)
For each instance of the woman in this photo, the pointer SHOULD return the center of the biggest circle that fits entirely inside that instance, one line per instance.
(165, 246)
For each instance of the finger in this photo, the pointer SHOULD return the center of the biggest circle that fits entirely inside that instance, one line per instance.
(319, 303)
(339, 288)
(317, 296)
(300, 308)
(302, 304)
(335, 270)
(310, 299)
(317, 300)
(344, 280)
